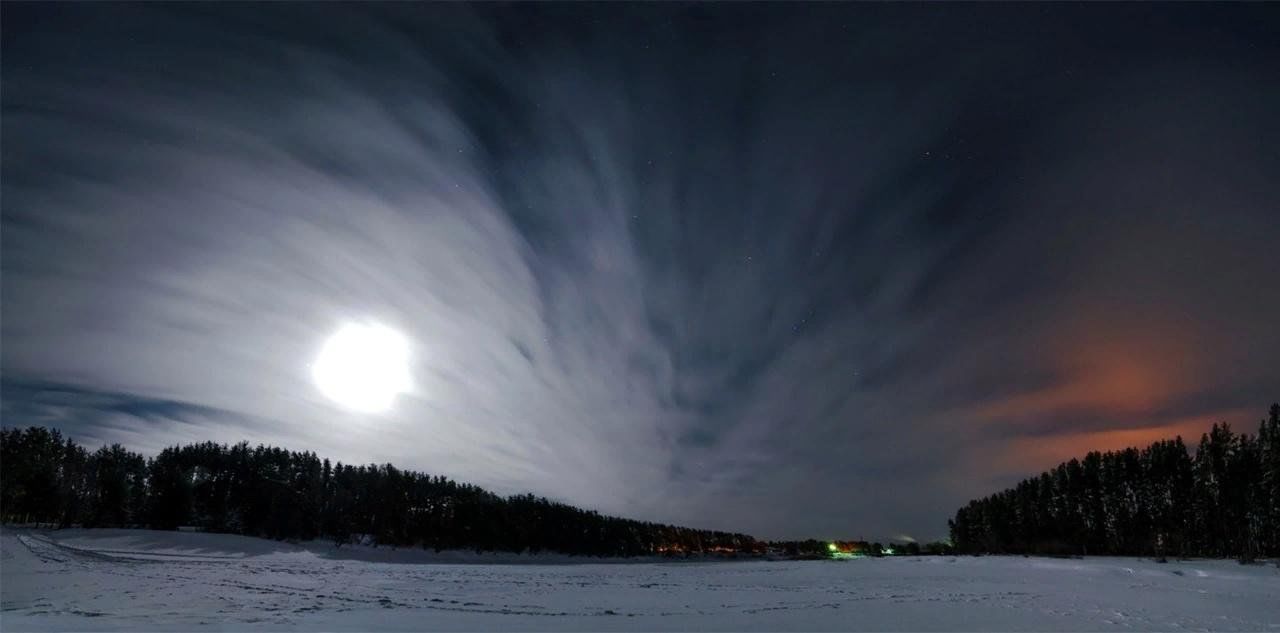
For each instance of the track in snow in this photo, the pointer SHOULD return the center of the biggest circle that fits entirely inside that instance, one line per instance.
(132, 580)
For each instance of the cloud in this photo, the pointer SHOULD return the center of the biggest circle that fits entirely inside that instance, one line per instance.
(762, 271)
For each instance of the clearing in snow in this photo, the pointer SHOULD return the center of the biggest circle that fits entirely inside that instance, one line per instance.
(147, 580)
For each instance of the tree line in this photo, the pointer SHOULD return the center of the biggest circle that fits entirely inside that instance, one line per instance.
(275, 493)
(1163, 500)
(815, 549)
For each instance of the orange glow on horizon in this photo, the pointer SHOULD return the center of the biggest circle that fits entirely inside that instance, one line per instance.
(1114, 371)
(1033, 455)
(1106, 367)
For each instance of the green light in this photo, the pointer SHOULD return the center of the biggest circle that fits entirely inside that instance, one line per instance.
(832, 547)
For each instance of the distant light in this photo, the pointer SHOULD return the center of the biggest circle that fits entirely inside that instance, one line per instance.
(832, 547)
(363, 367)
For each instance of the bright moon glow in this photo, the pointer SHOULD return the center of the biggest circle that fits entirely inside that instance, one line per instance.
(363, 367)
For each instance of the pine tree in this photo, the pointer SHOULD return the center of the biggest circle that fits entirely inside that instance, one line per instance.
(1156, 501)
(1269, 485)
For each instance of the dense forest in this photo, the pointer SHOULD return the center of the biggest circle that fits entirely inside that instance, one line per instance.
(1223, 501)
(274, 493)
(1164, 500)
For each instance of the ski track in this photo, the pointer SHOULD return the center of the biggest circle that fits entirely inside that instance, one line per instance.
(94, 580)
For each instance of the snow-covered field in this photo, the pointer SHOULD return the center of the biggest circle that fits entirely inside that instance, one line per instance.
(143, 580)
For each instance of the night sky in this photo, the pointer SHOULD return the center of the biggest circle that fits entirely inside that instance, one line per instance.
(825, 270)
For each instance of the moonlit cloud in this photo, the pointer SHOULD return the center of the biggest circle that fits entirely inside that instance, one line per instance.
(736, 267)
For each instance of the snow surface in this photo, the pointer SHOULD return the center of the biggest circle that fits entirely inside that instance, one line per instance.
(144, 580)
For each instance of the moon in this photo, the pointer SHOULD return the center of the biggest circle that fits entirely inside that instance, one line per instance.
(363, 367)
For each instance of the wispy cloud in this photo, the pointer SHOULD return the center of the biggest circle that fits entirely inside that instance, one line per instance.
(738, 268)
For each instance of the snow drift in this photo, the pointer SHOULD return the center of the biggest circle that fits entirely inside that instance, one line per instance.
(146, 580)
